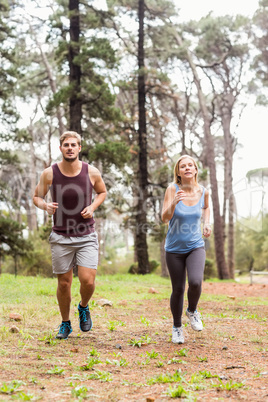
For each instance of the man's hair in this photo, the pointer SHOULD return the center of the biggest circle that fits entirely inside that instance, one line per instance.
(70, 134)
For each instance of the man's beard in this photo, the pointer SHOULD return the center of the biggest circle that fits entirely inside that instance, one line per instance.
(71, 159)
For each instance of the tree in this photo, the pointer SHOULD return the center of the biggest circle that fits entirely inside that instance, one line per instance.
(223, 53)
(12, 241)
(210, 157)
(141, 239)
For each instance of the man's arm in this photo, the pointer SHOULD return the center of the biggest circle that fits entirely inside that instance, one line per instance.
(41, 191)
(100, 190)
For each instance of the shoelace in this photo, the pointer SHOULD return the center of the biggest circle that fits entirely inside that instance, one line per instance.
(63, 326)
(196, 316)
(83, 314)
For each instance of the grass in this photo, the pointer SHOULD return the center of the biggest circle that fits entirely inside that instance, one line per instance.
(128, 351)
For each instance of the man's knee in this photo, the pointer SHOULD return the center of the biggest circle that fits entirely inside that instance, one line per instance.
(88, 281)
(64, 284)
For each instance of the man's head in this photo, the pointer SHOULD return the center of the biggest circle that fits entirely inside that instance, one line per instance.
(70, 134)
(70, 145)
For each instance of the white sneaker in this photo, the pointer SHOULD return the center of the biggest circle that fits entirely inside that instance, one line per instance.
(177, 335)
(195, 320)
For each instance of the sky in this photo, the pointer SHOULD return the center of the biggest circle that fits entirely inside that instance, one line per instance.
(194, 9)
(252, 130)
(253, 126)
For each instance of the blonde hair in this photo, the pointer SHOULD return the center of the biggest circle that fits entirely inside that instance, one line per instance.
(177, 178)
(70, 134)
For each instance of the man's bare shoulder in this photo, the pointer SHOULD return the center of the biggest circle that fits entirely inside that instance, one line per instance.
(47, 174)
(93, 171)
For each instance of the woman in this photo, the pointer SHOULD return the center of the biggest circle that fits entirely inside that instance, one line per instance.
(184, 204)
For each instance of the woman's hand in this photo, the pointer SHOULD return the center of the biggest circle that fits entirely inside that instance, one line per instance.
(179, 196)
(207, 230)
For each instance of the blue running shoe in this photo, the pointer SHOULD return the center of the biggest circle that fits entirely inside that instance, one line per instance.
(84, 318)
(65, 330)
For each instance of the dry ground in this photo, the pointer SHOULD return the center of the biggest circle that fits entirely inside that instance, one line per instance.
(227, 361)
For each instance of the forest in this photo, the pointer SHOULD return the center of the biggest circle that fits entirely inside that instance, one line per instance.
(142, 88)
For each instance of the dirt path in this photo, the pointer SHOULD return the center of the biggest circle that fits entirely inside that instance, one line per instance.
(227, 361)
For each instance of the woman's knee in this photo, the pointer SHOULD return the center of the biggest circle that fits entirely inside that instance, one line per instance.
(178, 290)
(195, 285)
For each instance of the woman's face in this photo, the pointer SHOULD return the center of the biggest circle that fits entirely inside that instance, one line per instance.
(187, 169)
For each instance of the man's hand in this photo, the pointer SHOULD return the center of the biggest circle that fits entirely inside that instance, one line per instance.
(87, 212)
(51, 207)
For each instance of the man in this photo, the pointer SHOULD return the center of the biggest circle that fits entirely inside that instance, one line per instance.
(73, 239)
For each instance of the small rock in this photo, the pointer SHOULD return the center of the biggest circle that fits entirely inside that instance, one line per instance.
(150, 399)
(118, 346)
(122, 303)
(231, 297)
(264, 373)
(152, 290)
(224, 348)
(14, 329)
(75, 350)
(15, 316)
(104, 302)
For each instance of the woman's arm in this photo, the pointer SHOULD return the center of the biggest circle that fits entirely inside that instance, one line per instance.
(170, 201)
(206, 216)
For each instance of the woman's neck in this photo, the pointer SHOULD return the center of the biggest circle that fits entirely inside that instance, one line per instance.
(189, 187)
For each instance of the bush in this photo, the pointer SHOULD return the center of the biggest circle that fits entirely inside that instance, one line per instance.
(133, 269)
(210, 270)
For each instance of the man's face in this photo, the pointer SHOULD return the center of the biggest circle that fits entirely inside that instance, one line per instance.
(70, 149)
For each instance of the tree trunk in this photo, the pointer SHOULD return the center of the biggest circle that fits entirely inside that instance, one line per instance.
(159, 146)
(31, 211)
(141, 226)
(226, 105)
(75, 102)
(52, 82)
(230, 255)
(164, 268)
(218, 227)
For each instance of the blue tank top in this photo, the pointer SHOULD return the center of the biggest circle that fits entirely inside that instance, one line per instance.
(184, 230)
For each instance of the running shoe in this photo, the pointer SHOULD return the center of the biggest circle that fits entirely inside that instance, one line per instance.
(85, 321)
(64, 331)
(195, 320)
(177, 335)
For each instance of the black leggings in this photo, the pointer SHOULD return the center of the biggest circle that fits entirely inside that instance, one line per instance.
(194, 263)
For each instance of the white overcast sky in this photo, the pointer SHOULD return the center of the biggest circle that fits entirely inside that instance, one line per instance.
(252, 132)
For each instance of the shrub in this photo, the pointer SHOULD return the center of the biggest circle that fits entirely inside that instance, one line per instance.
(133, 269)
(210, 270)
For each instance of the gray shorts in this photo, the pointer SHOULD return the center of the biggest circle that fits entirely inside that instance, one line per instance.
(70, 251)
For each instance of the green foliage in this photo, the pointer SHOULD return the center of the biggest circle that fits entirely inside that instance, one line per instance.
(177, 392)
(80, 392)
(133, 269)
(90, 364)
(166, 378)
(101, 376)
(11, 387)
(251, 244)
(38, 260)
(12, 241)
(56, 370)
(110, 153)
(210, 270)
